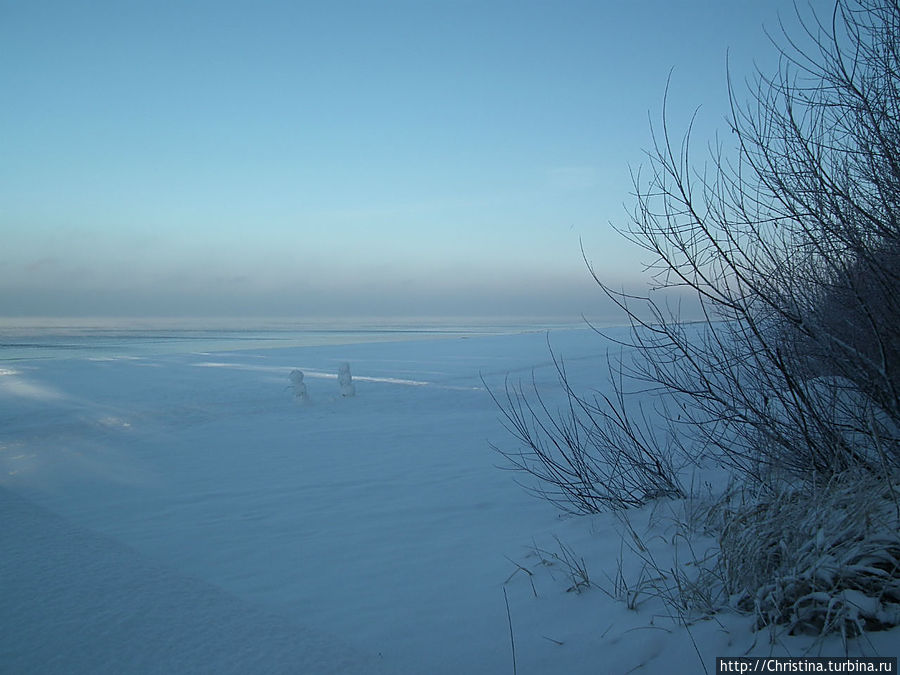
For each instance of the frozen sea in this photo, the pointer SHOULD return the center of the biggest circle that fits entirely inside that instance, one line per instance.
(169, 506)
(55, 338)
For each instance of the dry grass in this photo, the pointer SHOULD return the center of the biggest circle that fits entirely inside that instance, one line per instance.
(816, 559)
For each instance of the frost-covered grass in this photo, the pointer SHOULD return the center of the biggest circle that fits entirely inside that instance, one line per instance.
(185, 511)
(819, 558)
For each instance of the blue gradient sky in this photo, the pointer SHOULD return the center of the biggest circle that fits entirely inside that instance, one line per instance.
(420, 157)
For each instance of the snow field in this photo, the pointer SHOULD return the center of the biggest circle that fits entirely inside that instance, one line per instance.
(375, 529)
(79, 602)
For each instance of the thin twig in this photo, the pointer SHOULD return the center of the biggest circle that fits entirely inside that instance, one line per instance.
(512, 639)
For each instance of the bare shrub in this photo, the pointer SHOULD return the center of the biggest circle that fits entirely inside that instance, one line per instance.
(789, 241)
(588, 457)
(790, 247)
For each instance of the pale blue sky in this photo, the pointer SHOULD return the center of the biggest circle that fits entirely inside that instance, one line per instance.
(334, 158)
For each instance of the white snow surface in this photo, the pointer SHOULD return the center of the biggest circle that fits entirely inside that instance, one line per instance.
(181, 513)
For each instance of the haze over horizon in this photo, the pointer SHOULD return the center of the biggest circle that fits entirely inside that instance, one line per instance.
(349, 158)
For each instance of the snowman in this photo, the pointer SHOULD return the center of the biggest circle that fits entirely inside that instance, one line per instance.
(299, 386)
(345, 380)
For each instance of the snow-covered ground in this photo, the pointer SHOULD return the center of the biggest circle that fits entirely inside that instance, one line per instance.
(186, 513)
